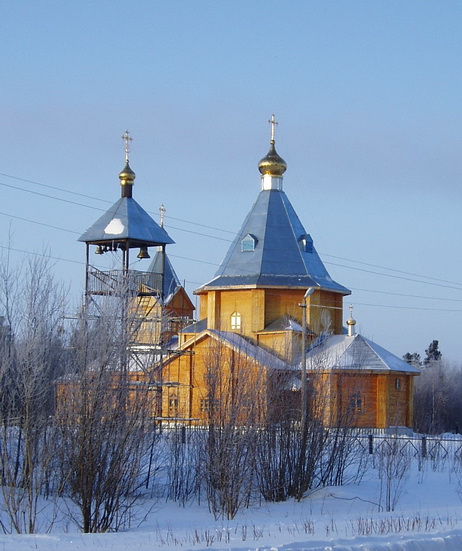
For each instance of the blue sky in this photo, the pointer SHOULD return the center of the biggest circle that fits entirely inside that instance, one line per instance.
(368, 99)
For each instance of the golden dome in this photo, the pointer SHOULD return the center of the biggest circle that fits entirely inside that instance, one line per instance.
(127, 176)
(272, 163)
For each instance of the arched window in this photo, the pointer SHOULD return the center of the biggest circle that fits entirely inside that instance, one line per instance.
(236, 320)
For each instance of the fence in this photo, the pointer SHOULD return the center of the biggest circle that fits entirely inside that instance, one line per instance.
(422, 446)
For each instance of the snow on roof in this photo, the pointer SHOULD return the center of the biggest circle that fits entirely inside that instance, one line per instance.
(239, 343)
(126, 219)
(284, 323)
(355, 352)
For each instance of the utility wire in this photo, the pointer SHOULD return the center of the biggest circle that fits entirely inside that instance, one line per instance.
(78, 194)
(46, 255)
(211, 236)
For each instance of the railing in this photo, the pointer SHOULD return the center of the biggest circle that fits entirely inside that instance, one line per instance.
(122, 282)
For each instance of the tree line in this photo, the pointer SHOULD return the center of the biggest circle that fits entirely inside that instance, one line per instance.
(437, 392)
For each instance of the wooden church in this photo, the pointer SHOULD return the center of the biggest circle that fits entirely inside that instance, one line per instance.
(270, 326)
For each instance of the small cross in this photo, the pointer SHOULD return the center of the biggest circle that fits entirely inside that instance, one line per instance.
(127, 139)
(273, 123)
(351, 311)
(162, 215)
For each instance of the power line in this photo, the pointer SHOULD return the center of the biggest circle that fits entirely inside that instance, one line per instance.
(406, 307)
(396, 276)
(389, 269)
(38, 223)
(405, 295)
(222, 239)
(218, 238)
(51, 197)
(22, 251)
(78, 194)
(46, 255)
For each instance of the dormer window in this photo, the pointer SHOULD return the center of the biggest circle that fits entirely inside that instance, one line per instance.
(249, 243)
(305, 242)
(236, 321)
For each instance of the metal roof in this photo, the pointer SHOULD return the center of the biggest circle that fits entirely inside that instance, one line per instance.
(343, 352)
(196, 327)
(126, 219)
(171, 281)
(257, 353)
(284, 323)
(282, 253)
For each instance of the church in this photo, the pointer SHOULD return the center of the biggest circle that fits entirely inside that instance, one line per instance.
(269, 336)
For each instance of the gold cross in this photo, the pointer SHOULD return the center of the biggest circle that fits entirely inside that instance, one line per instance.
(273, 123)
(127, 139)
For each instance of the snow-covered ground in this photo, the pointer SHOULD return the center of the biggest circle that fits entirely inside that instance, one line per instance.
(428, 516)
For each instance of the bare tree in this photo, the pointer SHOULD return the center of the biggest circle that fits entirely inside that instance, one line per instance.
(104, 414)
(393, 461)
(32, 354)
(186, 449)
(233, 402)
(432, 398)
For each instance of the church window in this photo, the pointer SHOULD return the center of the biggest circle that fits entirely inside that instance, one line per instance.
(205, 405)
(356, 402)
(236, 320)
(398, 384)
(173, 405)
(249, 243)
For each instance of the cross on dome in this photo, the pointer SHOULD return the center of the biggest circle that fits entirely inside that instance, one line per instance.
(273, 123)
(162, 210)
(127, 139)
(272, 165)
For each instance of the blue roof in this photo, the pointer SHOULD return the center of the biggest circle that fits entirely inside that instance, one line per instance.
(171, 281)
(277, 250)
(126, 219)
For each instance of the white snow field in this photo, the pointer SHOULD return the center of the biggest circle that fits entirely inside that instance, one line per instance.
(427, 516)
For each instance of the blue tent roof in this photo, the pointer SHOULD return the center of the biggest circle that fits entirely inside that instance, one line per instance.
(272, 248)
(126, 219)
(171, 281)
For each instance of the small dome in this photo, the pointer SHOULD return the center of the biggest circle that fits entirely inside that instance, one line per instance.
(127, 175)
(272, 163)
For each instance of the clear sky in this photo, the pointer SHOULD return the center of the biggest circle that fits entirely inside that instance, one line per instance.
(368, 99)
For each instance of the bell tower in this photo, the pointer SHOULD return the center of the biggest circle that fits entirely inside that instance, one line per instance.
(125, 227)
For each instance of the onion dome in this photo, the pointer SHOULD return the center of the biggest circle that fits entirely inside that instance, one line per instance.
(126, 175)
(272, 163)
(351, 322)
